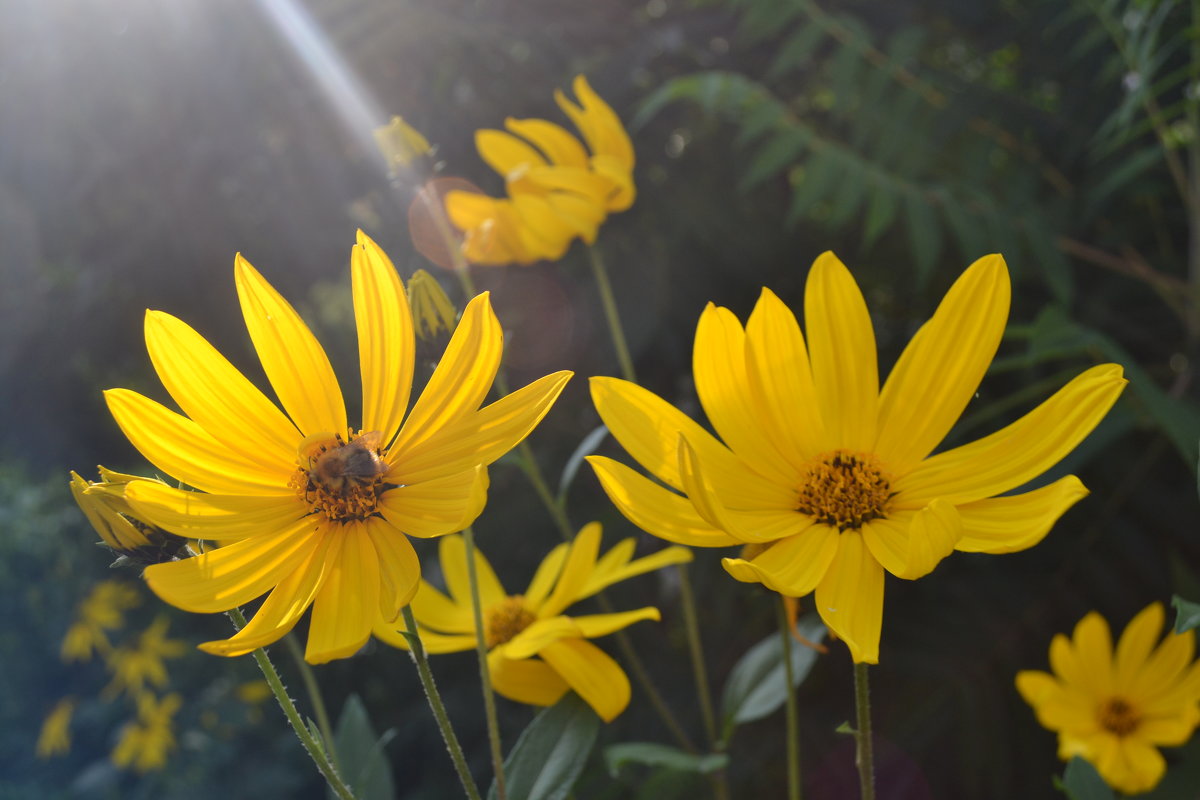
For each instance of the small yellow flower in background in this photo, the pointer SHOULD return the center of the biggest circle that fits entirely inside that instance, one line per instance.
(145, 744)
(133, 539)
(557, 189)
(304, 506)
(253, 692)
(55, 737)
(135, 667)
(433, 313)
(400, 143)
(536, 653)
(1116, 709)
(103, 610)
(832, 473)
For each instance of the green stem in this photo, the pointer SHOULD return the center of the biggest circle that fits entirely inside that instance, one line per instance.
(1193, 116)
(485, 675)
(314, 748)
(417, 651)
(610, 312)
(314, 697)
(793, 730)
(862, 735)
(696, 651)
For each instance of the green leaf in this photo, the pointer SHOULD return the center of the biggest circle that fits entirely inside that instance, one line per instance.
(797, 51)
(585, 449)
(315, 732)
(924, 234)
(881, 211)
(757, 684)
(652, 754)
(783, 150)
(549, 755)
(1187, 614)
(363, 764)
(1080, 781)
(819, 177)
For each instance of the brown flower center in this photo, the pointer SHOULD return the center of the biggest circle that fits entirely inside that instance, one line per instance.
(844, 489)
(1119, 716)
(504, 620)
(341, 478)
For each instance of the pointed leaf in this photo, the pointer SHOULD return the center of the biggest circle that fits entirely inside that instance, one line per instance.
(757, 684)
(652, 754)
(549, 755)
(363, 764)
(1187, 614)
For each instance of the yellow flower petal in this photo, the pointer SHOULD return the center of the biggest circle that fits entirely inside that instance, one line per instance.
(595, 625)
(910, 545)
(504, 152)
(553, 140)
(841, 347)
(623, 192)
(942, 366)
(452, 553)
(214, 517)
(399, 568)
(537, 636)
(385, 338)
(525, 680)
(612, 570)
(435, 610)
(1056, 707)
(1171, 731)
(543, 580)
(1086, 661)
(1016, 522)
(793, 566)
(850, 598)
(1019, 452)
(436, 507)
(294, 361)
(1136, 643)
(433, 642)
(1166, 665)
(542, 230)
(576, 571)
(347, 604)
(1132, 766)
(592, 673)
(599, 124)
(235, 574)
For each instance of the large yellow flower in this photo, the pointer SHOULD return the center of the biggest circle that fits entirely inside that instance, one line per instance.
(536, 653)
(305, 506)
(833, 474)
(1116, 710)
(556, 188)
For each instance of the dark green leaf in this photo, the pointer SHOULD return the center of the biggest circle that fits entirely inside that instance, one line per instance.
(361, 758)
(819, 177)
(924, 234)
(1187, 614)
(549, 755)
(797, 51)
(585, 449)
(757, 685)
(881, 211)
(652, 754)
(783, 150)
(1080, 781)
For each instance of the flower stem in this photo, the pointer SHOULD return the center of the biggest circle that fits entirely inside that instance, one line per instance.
(485, 676)
(610, 313)
(795, 791)
(696, 651)
(417, 651)
(865, 757)
(314, 748)
(314, 697)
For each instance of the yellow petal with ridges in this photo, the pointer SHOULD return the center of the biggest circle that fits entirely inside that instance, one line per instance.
(386, 341)
(433, 642)
(435, 610)
(1166, 665)
(596, 625)
(525, 680)
(592, 673)
(793, 566)
(399, 568)
(1016, 522)
(1136, 643)
(540, 634)
(1018, 452)
(235, 574)
(841, 350)
(655, 509)
(437, 506)
(214, 517)
(554, 141)
(941, 367)
(579, 183)
(850, 598)
(576, 571)
(293, 359)
(545, 576)
(504, 152)
(910, 545)
(608, 572)
(347, 605)
(452, 554)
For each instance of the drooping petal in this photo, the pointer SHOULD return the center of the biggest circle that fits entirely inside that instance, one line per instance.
(215, 517)
(452, 554)
(778, 370)
(553, 140)
(607, 572)
(910, 545)
(235, 574)
(623, 191)
(216, 396)
(841, 347)
(850, 598)
(1057, 708)
(596, 120)
(1170, 731)
(435, 610)
(545, 576)
(655, 509)
(1019, 452)
(1016, 522)
(436, 507)
(399, 567)
(282, 609)
(347, 605)
(537, 636)
(793, 566)
(1133, 766)
(942, 366)
(576, 571)
(483, 436)
(295, 363)
(504, 152)
(1136, 643)
(385, 338)
(432, 641)
(719, 367)
(460, 381)
(595, 625)
(525, 680)
(592, 673)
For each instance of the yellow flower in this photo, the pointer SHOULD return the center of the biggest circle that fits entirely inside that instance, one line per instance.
(556, 189)
(55, 737)
(133, 539)
(145, 744)
(135, 667)
(305, 507)
(433, 313)
(101, 611)
(400, 143)
(1116, 710)
(536, 653)
(835, 475)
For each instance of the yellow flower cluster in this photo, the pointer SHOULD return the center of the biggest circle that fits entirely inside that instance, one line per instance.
(146, 742)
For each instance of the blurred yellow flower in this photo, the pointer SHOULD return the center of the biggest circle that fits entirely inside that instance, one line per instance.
(135, 667)
(830, 472)
(536, 653)
(145, 743)
(400, 143)
(306, 507)
(101, 611)
(1116, 709)
(55, 737)
(556, 188)
(433, 313)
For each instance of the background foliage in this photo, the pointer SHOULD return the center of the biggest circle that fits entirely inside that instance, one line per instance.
(144, 144)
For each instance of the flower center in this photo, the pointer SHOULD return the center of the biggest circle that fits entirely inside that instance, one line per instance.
(1118, 716)
(844, 489)
(341, 478)
(504, 620)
